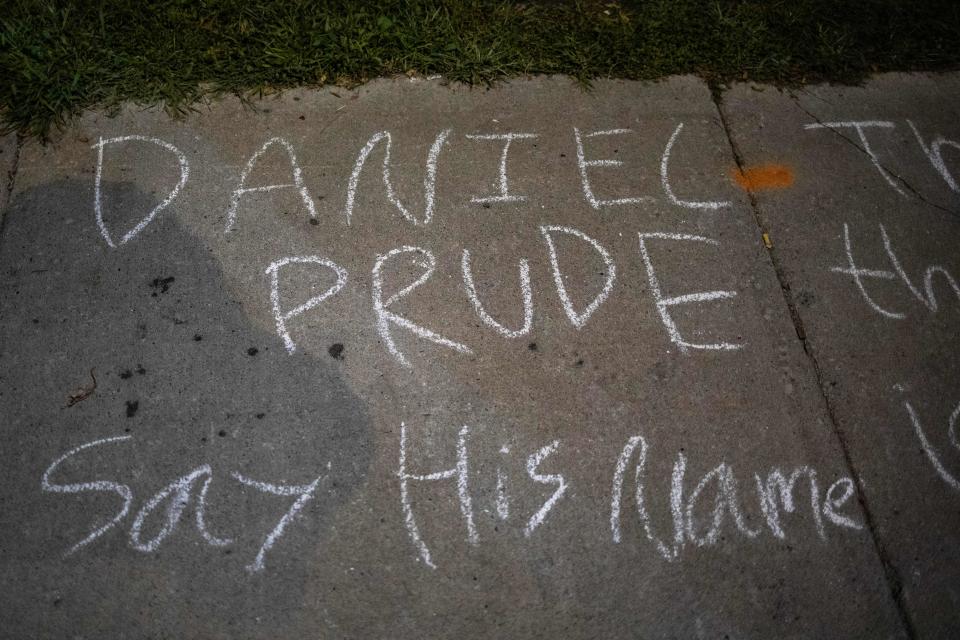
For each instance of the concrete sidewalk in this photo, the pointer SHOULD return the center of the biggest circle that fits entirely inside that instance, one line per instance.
(420, 361)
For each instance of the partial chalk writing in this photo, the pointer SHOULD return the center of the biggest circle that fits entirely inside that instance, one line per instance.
(926, 296)
(525, 291)
(778, 490)
(664, 303)
(177, 496)
(578, 318)
(280, 316)
(934, 153)
(928, 448)
(429, 180)
(503, 189)
(665, 180)
(460, 471)
(248, 168)
(98, 178)
(860, 126)
(304, 494)
(533, 465)
(121, 490)
(583, 164)
(385, 317)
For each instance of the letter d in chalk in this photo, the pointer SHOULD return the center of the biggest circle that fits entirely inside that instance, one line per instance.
(98, 201)
(578, 319)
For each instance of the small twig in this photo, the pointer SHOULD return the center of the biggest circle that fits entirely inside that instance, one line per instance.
(82, 393)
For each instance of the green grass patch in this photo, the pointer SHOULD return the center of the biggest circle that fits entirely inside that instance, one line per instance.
(59, 58)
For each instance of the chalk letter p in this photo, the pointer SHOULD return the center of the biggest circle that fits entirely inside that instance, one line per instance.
(282, 316)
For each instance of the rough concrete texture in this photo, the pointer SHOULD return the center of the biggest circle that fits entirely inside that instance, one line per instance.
(891, 348)
(8, 160)
(584, 474)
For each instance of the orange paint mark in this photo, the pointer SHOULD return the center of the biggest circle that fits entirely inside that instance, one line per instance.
(766, 176)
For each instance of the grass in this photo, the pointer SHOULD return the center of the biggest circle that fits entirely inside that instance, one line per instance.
(59, 57)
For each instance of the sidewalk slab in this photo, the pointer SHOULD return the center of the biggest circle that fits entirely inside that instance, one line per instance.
(325, 428)
(885, 341)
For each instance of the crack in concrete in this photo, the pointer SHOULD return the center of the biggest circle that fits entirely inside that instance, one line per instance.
(891, 574)
(903, 181)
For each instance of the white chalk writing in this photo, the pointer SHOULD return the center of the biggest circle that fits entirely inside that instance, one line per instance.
(98, 198)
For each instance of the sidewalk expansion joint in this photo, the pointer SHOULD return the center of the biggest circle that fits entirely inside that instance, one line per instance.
(892, 575)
